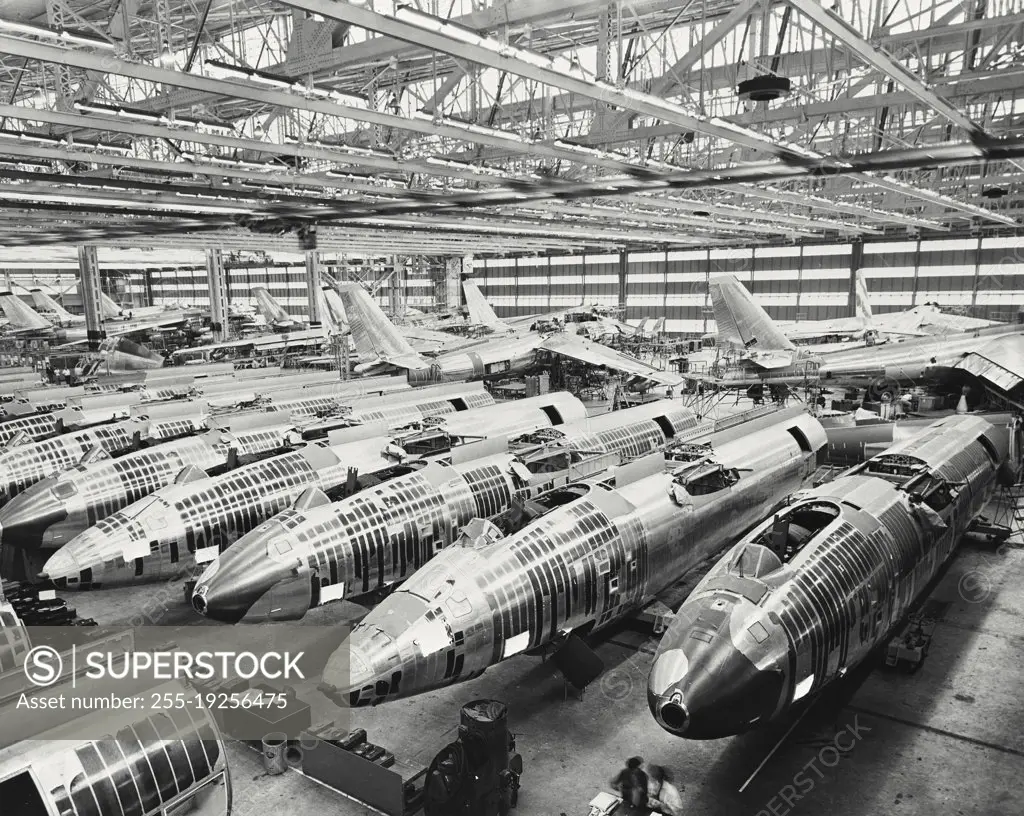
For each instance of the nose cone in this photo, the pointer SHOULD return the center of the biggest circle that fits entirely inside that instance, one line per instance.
(87, 560)
(249, 584)
(26, 517)
(63, 567)
(720, 693)
(716, 684)
(403, 648)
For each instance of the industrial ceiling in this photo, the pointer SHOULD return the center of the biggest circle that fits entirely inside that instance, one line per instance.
(496, 127)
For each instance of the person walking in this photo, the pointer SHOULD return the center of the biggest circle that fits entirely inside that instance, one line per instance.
(631, 783)
(662, 795)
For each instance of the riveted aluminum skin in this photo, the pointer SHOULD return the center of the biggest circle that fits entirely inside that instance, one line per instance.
(599, 554)
(811, 591)
(380, 536)
(157, 538)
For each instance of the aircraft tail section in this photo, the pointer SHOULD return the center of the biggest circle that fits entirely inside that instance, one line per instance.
(45, 303)
(20, 315)
(740, 321)
(335, 309)
(480, 311)
(373, 334)
(271, 310)
(122, 354)
(862, 301)
(108, 308)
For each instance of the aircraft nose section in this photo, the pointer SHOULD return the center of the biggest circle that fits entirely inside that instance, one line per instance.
(80, 563)
(25, 518)
(713, 692)
(235, 590)
(361, 671)
(61, 567)
(400, 649)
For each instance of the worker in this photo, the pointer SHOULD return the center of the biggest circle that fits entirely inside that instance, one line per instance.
(66, 375)
(905, 403)
(631, 783)
(662, 795)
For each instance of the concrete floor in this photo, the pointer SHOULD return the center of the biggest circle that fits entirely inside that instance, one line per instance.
(948, 739)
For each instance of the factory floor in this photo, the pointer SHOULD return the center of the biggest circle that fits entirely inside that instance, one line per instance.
(947, 739)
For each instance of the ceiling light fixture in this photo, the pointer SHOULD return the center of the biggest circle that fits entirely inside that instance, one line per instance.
(286, 84)
(459, 165)
(471, 127)
(427, 22)
(56, 34)
(117, 110)
(21, 136)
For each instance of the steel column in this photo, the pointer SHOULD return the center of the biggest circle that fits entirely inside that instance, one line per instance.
(623, 268)
(448, 293)
(313, 284)
(89, 275)
(455, 287)
(217, 282)
(856, 262)
(396, 292)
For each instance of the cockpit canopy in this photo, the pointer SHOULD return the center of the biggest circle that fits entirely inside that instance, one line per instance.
(790, 530)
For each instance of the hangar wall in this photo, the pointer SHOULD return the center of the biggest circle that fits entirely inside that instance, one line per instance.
(136, 277)
(983, 277)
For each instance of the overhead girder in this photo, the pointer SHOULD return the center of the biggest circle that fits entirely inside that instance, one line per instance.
(879, 59)
(381, 50)
(797, 64)
(437, 34)
(297, 150)
(290, 100)
(513, 60)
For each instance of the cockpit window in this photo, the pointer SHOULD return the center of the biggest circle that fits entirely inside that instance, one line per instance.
(458, 604)
(156, 523)
(65, 490)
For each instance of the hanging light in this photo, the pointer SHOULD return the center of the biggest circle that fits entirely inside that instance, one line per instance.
(166, 58)
(55, 34)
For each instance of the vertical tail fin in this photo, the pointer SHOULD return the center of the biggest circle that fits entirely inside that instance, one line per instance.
(740, 321)
(20, 314)
(270, 308)
(327, 321)
(109, 310)
(336, 309)
(862, 301)
(373, 334)
(480, 311)
(45, 303)
(122, 354)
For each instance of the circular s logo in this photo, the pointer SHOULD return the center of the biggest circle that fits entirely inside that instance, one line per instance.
(43, 665)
